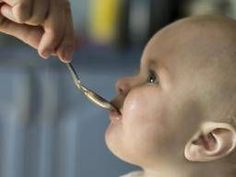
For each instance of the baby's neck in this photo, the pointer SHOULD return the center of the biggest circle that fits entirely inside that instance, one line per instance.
(174, 174)
(203, 170)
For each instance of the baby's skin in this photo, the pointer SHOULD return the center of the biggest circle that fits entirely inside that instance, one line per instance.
(177, 114)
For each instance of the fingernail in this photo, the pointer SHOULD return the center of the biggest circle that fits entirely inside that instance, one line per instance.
(45, 54)
(67, 54)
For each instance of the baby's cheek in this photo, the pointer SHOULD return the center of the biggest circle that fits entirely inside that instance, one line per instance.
(145, 109)
(145, 121)
(134, 107)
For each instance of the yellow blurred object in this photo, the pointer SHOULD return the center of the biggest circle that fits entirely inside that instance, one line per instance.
(103, 20)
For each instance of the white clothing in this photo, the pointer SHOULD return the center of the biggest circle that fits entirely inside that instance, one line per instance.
(134, 174)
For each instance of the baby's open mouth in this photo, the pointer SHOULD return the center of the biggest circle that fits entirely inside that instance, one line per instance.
(115, 114)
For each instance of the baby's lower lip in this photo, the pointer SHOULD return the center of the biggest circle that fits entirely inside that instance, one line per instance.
(115, 115)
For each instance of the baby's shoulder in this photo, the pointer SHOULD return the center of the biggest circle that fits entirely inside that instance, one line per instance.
(134, 174)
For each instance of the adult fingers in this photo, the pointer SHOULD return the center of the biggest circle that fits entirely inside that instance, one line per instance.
(38, 15)
(22, 10)
(31, 35)
(39, 12)
(67, 46)
(54, 28)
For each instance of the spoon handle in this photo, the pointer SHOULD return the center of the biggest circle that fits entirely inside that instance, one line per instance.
(73, 73)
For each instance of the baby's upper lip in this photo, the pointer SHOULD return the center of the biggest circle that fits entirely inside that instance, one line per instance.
(117, 105)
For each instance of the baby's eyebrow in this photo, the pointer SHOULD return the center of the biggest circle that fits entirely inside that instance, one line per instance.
(152, 63)
(149, 64)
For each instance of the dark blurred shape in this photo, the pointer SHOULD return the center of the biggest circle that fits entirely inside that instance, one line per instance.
(207, 7)
(139, 20)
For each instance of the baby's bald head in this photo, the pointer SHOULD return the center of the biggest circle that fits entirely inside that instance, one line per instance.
(211, 41)
(211, 45)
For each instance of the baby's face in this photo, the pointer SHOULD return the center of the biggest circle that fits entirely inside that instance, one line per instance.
(155, 104)
(161, 106)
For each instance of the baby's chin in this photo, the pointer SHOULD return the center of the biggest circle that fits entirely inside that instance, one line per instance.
(113, 141)
(117, 149)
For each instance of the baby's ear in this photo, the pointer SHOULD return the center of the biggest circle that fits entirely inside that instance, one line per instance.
(213, 141)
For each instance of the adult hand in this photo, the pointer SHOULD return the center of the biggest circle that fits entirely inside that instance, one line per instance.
(44, 24)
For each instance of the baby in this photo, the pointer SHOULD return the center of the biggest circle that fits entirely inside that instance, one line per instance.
(178, 114)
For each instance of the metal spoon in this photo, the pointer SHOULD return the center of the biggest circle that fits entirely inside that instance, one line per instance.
(90, 95)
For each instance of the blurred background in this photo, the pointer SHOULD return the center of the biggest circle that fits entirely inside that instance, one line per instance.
(47, 128)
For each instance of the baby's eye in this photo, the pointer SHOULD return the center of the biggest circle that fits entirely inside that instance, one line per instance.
(152, 77)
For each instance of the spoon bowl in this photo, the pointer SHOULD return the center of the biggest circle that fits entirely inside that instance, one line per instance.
(90, 94)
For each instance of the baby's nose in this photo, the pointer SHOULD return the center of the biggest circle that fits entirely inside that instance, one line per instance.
(124, 85)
